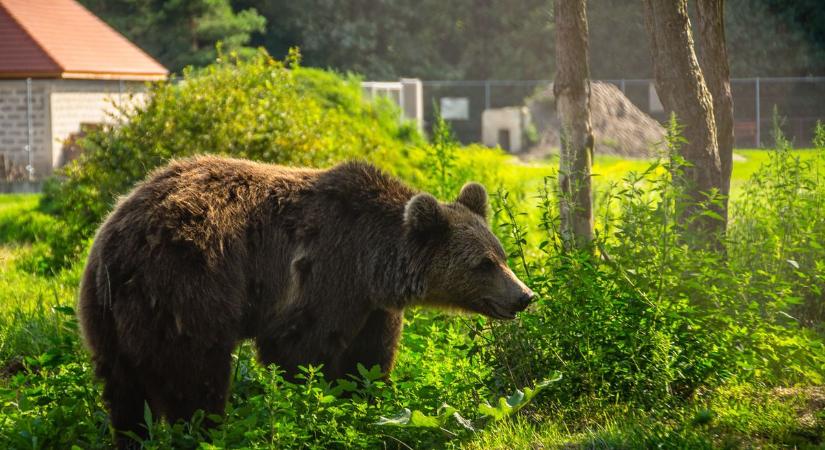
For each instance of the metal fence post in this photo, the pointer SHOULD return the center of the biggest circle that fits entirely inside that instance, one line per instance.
(758, 116)
(621, 85)
(30, 131)
(486, 94)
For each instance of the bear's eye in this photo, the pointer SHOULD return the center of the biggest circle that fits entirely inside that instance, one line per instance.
(485, 265)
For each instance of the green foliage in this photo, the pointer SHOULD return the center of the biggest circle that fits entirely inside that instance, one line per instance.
(505, 407)
(49, 398)
(19, 222)
(790, 41)
(778, 228)
(51, 246)
(441, 158)
(819, 135)
(457, 39)
(652, 319)
(181, 33)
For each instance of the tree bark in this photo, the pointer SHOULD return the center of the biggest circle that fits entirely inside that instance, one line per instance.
(713, 58)
(571, 89)
(682, 90)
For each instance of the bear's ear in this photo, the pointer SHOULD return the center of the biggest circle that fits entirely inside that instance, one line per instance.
(423, 213)
(474, 197)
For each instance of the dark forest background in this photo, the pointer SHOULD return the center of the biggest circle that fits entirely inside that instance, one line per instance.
(456, 39)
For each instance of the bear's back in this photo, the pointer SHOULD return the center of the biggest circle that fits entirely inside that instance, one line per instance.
(204, 201)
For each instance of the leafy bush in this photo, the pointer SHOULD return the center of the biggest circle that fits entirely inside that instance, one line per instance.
(646, 318)
(778, 230)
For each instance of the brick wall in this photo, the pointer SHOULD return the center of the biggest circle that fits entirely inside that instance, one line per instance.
(77, 102)
(59, 107)
(14, 126)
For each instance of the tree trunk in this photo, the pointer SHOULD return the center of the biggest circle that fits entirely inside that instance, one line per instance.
(713, 58)
(682, 90)
(571, 89)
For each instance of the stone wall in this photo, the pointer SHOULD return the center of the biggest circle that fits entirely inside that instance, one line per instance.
(76, 102)
(14, 128)
(59, 108)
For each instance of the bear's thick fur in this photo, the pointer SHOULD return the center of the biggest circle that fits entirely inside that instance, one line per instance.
(316, 266)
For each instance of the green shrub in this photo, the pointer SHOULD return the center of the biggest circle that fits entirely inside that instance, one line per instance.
(778, 232)
(644, 317)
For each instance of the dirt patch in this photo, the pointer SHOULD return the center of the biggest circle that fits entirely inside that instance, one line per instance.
(11, 368)
(811, 414)
(810, 411)
(619, 127)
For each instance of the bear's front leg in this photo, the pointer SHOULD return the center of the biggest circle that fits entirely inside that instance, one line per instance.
(376, 343)
(310, 336)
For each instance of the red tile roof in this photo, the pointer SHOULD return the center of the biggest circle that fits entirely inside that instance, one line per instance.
(62, 39)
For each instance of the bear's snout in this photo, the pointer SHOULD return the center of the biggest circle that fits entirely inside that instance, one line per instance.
(522, 302)
(525, 300)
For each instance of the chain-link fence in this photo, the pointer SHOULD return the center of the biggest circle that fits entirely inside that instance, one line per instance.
(798, 102)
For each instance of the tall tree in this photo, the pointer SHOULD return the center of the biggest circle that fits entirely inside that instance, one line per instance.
(180, 32)
(682, 90)
(713, 58)
(571, 88)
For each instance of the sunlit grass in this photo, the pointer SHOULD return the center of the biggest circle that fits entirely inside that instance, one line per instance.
(613, 168)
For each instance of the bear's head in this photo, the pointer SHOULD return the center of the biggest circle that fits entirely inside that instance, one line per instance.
(466, 266)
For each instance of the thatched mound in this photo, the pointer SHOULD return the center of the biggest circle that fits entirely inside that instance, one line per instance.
(619, 127)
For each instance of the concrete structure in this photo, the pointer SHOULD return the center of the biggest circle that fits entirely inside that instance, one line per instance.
(44, 113)
(505, 127)
(407, 93)
(60, 68)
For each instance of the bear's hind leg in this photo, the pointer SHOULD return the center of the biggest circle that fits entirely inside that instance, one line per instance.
(125, 396)
(198, 380)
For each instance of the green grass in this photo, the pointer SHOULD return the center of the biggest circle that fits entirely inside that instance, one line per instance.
(40, 350)
(612, 168)
(20, 221)
(733, 416)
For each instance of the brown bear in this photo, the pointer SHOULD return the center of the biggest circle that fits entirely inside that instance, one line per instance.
(316, 266)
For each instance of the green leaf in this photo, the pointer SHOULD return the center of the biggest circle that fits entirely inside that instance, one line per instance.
(363, 371)
(147, 415)
(419, 419)
(485, 409)
(507, 406)
(712, 214)
(67, 310)
(516, 398)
